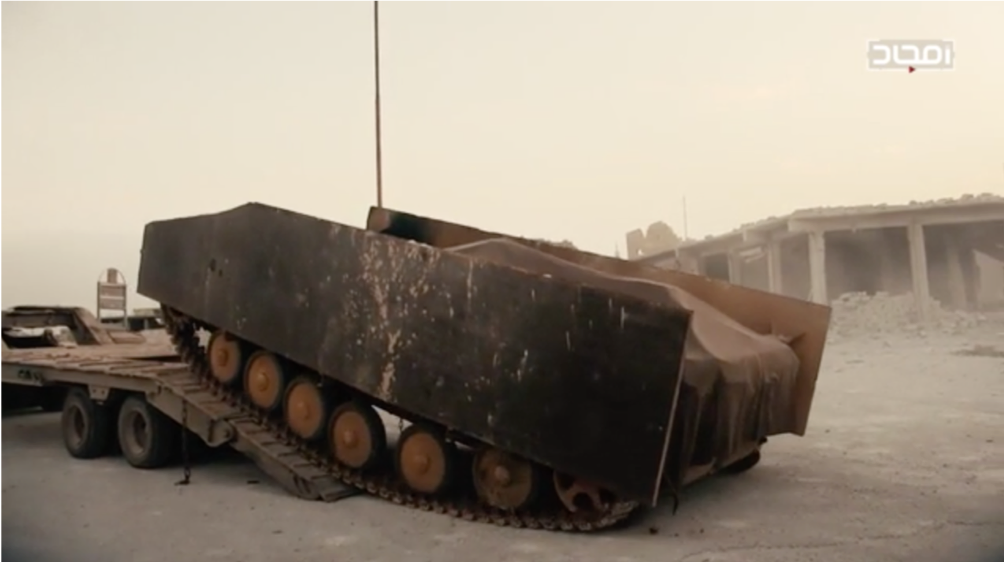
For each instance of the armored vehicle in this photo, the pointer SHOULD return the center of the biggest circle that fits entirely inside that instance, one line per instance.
(537, 385)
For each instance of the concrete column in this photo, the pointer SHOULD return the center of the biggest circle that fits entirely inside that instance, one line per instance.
(735, 269)
(689, 263)
(918, 270)
(817, 267)
(773, 250)
(955, 276)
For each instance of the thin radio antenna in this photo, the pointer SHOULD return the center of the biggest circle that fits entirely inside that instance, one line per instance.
(376, 77)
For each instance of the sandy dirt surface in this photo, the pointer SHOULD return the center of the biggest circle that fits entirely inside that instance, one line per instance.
(904, 460)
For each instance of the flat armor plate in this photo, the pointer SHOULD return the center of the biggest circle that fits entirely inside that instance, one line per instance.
(577, 378)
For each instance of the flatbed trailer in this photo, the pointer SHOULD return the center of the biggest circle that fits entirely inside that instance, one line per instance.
(139, 396)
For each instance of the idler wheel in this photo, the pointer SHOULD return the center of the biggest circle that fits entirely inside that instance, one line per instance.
(425, 460)
(505, 481)
(357, 435)
(226, 357)
(306, 408)
(265, 380)
(577, 494)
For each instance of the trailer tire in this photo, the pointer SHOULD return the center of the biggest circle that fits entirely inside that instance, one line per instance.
(86, 426)
(148, 438)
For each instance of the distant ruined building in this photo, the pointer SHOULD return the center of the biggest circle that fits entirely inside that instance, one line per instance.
(659, 237)
(563, 243)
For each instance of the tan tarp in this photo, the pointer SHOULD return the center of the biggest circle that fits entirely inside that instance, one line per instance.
(738, 385)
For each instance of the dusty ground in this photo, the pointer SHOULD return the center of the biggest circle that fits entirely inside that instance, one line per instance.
(904, 461)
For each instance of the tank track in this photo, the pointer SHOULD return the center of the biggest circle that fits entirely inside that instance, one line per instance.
(183, 331)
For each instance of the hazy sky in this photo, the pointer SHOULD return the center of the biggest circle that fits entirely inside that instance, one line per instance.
(557, 120)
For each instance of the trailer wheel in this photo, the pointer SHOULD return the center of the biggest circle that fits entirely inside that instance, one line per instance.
(86, 426)
(148, 438)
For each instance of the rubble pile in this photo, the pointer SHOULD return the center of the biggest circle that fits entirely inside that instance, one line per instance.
(862, 314)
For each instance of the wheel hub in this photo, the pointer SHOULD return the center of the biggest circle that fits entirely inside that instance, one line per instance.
(261, 381)
(421, 464)
(502, 475)
(78, 426)
(303, 410)
(349, 438)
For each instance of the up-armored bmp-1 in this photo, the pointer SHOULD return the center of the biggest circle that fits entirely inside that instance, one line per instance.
(541, 386)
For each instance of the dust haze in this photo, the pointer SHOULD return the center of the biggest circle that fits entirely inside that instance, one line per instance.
(556, 121)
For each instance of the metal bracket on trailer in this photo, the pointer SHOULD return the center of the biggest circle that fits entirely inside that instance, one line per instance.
(98, 393)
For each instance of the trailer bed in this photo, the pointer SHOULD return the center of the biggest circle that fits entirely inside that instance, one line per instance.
(172, 389)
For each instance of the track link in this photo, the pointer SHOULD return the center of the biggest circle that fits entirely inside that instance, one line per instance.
(184, 334)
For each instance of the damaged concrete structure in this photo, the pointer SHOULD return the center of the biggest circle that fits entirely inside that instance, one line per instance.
(948, 250)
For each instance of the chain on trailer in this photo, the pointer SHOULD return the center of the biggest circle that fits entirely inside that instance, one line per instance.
(186, 460)
(184, 334)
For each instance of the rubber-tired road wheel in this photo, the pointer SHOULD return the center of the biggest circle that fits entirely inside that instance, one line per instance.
(86, 426)
(265, 379)
(306, 408)
(357, 436)
(148, 438)
(227, 355)
(425, 460)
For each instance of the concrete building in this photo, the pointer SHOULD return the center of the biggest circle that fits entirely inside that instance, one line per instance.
(951, 250)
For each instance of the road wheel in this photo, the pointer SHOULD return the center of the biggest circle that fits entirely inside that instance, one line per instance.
(425, 460)
(265, 380)
(86, 426)
(357, 436)
(148, 438)
(306, 408)
(226, 357)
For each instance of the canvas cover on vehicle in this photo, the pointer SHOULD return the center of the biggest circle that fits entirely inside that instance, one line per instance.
(738, 385)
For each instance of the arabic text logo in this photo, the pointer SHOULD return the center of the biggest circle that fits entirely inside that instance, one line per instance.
(911, 55)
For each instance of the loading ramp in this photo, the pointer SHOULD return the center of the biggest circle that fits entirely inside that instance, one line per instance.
(108, 374)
